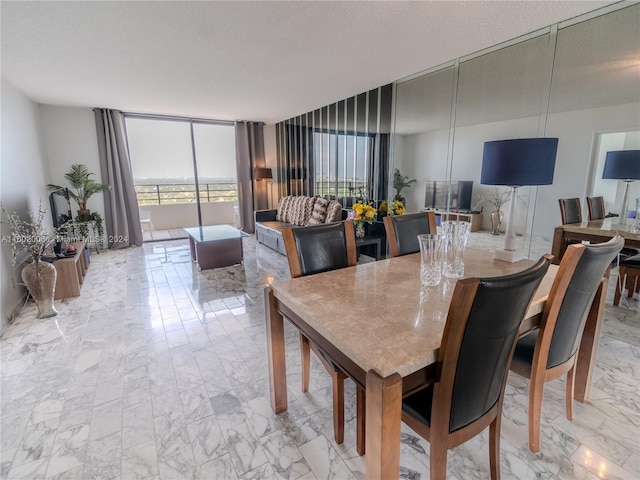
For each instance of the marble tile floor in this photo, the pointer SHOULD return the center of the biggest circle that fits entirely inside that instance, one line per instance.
(158, 371)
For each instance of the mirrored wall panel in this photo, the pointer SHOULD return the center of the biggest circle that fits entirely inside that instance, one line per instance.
(577, 81)
(593, 108)
(421, 140)
(340, 151)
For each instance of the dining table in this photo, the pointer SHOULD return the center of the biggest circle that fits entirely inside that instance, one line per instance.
(594, 231)
(383, 329)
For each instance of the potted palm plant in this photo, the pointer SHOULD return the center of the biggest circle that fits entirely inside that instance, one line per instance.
(83, 187)
(401, 182)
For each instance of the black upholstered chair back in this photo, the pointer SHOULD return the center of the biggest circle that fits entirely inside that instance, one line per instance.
(570, 210)
(577, 300)
(321, 248)
(596, 208)
(407, 228)
(488, 341)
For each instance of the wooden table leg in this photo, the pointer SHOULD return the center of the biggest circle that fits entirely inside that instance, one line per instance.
(589, 344)
(559, 245)
(275, 352)
(384, 415)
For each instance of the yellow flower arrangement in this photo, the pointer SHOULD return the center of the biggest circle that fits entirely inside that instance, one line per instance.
(397, 208)
(363, 213)
(360, 214)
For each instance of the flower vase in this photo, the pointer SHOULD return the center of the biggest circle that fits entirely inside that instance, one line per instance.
(40, 278)
(496, 221)
(359, 230)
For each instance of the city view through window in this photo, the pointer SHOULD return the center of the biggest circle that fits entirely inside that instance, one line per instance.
(165, 173)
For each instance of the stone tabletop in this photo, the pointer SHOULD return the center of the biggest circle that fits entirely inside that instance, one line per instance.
(381, 316)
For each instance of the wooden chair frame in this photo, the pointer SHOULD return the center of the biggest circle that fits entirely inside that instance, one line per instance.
(629, 278)
(392, 238)
(537, 371)
(563, 212)
(590, 202)
(306, 346)
(439, 437)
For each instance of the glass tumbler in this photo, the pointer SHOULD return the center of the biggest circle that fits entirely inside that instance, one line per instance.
(431, 248)
(455, 239)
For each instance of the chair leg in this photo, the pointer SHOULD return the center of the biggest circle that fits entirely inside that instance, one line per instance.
(535, 409)
(305, 361)
(338, 406)
(437, 459)
(631, 285)
(361, 420)
(494, 448)
(569, 400)
(619, 283)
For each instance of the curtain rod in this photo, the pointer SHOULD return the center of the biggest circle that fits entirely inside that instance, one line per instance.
(151, 116)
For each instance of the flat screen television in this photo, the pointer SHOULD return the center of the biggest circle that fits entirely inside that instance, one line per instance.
(437, 192)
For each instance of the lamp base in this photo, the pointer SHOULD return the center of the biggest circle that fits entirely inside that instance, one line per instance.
(511, 256)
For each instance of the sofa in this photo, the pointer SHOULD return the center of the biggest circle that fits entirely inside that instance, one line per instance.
(293, 211)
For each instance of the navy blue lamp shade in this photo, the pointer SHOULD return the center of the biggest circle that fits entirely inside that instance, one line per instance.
(518, 162)
(622, 165)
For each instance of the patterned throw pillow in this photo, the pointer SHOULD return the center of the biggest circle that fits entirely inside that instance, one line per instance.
(298, 209)
(308, 209)
(283, 209)
(319, 214)
(334, 212)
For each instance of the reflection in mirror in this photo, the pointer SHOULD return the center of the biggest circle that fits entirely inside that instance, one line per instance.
(500, 97)
(594, 93)
(422, 121)
(612, 190)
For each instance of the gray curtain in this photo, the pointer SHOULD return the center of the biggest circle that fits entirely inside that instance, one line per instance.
(249, 155)
(122, 219)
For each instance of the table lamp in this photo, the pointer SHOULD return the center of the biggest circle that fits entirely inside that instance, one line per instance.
(515, 163)
(622, 165)
(261, 173)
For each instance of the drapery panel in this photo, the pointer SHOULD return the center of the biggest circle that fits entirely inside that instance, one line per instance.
(249, 155)
(122, 218)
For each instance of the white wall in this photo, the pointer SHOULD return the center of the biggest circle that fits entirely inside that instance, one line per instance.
(70, 138)
(424, 156)
(165, 217)
(24, 174)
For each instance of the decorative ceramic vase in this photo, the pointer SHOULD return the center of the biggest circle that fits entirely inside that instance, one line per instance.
(40, 279)
(359, 230)
(496, 221)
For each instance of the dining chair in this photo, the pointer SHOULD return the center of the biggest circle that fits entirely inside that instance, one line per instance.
(551, 351)
(570, 210)
(403, 230)
(316, 249)
(628, 277)
(596, 208)
(472, 366)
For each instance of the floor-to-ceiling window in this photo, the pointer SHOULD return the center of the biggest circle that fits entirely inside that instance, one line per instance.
(184, 173)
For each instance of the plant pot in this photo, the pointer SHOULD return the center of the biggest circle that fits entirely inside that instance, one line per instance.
(84, 212)
(40, 279)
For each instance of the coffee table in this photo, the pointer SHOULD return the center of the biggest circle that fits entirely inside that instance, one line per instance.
(215, 246)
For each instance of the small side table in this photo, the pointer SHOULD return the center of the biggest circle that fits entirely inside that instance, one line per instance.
(363, 242)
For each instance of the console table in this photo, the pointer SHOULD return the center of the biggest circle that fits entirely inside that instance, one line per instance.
(71, 272)
(474, 218)
(373, 241)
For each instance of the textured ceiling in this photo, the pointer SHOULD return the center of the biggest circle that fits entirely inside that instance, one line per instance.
(263, 61)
